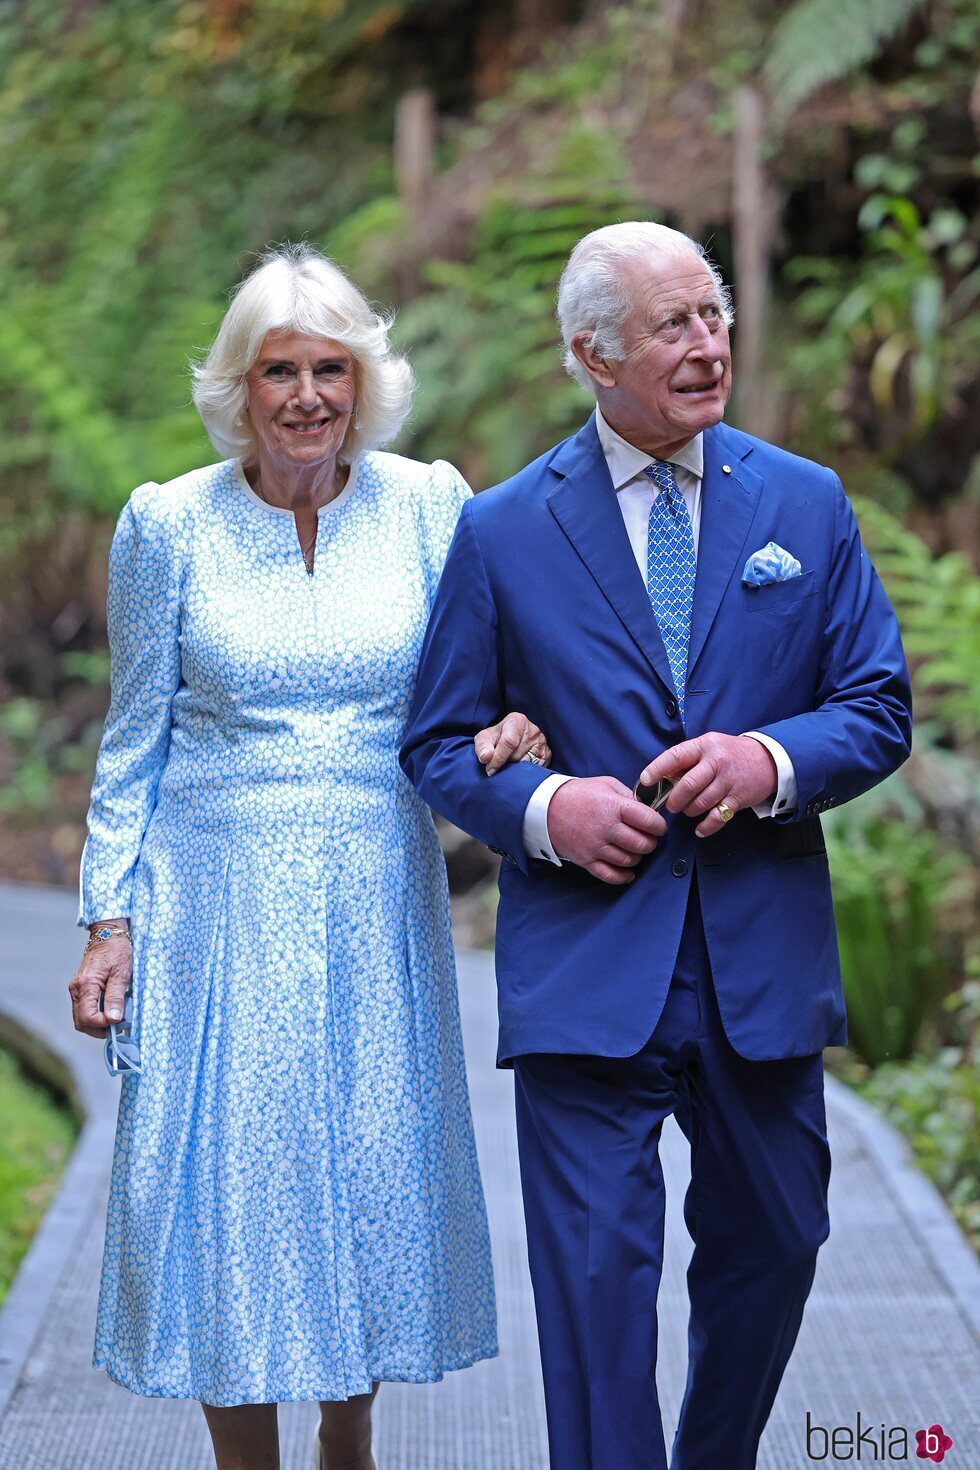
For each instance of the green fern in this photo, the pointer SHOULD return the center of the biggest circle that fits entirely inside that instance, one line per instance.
(483, 337)
(895, 889)
(821, 41)
(937, 600)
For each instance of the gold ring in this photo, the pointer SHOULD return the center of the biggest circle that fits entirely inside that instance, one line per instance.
(725, 812)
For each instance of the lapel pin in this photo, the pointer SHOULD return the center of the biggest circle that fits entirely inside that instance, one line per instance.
(726, 469)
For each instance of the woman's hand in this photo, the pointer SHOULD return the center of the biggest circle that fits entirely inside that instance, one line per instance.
(105, 968)
(514, 738)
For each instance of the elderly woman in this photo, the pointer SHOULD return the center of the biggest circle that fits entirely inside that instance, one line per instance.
(296, 1210)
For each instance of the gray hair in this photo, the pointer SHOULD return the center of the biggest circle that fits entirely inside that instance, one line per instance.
(295, 288)
(593, 298)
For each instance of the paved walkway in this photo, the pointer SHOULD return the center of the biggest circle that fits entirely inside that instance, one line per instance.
(892, 1330)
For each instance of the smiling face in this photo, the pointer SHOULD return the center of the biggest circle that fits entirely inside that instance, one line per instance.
(675, 376)
(301, 393)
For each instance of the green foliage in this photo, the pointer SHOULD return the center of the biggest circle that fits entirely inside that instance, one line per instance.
(24, 722)
(900, 330)
(145, 152)
(92, 667)
(820, 41)
(483, 337)
(89, 455)
(946, 59)
(42, 742)
(937, 600)
(369, 243)
(903, 894)
(34, 737)
(34, 1145)
(618, 54)
(935, 1102)
(893, 884)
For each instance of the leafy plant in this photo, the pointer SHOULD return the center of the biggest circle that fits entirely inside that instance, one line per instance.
(34, 740)
(903, 857)
(42, 740)
(34, 1145)
(146, 151)
(483, 337)
(935, 1102)
(937, 600)
(904, 319)
(821, 41)
(893, 884)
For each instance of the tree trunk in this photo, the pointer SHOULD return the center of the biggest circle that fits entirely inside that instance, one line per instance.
(414, 165)
(539, 16)
(755, 214)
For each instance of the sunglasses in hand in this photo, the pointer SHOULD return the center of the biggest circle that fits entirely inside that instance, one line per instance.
(122, 1054)
(655, 795)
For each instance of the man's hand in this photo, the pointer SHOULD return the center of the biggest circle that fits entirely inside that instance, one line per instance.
(734, 769)
(597, 823)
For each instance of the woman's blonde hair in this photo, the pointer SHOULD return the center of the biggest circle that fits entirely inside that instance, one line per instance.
(296, 289)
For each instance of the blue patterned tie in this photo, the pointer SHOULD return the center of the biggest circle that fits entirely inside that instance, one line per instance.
(671, 567)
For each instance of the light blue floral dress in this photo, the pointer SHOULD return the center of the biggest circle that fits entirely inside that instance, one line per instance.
(296, 1207)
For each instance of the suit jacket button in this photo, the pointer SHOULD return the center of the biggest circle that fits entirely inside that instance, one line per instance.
(678, 867)
(670, 708)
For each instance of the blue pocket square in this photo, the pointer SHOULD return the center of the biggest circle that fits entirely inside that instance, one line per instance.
(771, 564)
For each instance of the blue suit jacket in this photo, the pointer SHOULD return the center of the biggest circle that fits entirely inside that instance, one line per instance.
(541, 608)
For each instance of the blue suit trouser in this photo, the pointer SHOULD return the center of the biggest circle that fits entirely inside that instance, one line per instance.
(756, 1208)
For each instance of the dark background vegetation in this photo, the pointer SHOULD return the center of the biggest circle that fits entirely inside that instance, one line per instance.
(449, 153)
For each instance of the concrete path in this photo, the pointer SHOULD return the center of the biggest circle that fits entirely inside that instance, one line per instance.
(892, 1331)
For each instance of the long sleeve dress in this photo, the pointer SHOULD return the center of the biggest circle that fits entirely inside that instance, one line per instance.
(296, 1208)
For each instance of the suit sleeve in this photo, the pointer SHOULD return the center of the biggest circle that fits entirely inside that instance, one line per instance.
(860, 729)
(458, 692)
(143, 620)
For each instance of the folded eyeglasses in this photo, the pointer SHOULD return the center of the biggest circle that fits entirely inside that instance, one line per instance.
(121, 1052)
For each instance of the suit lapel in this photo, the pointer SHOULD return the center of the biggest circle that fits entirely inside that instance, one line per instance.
(728, 506)
(584, 505)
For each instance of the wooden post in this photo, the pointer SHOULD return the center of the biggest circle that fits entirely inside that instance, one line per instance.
(414, 167)
(414, 149)
(539, 17)
(754, 221)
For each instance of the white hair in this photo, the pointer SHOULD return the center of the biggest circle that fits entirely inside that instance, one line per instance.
(296, 289)
(592, 295)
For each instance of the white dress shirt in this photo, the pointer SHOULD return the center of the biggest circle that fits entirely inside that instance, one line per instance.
(635, 494)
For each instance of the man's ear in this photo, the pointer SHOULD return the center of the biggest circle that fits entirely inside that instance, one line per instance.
(597, 367)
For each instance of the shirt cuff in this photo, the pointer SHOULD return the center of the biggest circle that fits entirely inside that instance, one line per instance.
(785, 797)
(537, 843)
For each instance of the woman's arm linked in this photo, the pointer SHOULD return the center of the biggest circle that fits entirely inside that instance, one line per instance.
(514, 737)
(143, 623)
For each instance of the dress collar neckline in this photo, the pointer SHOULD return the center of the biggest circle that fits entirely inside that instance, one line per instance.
(241, 480)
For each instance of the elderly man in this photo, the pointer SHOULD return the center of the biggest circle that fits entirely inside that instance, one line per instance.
(668, 596)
